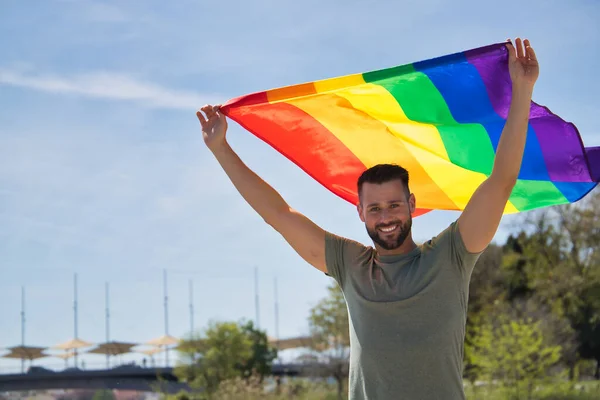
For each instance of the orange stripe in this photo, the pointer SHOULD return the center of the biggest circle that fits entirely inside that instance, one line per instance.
(284, 93)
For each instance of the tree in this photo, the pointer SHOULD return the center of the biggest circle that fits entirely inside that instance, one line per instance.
(330, 329)
(514, 352)
(588, 326)
(560, 255)
(487, 292)
(525, 255)
(222, 353)
(260, 362)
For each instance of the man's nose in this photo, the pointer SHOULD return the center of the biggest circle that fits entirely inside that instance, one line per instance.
(385, 216)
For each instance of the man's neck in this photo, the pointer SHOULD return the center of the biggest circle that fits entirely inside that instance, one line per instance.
(406, 247)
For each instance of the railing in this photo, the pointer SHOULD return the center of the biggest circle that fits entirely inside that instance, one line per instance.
(58, 367)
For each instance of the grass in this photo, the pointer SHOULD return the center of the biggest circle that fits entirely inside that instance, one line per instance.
(586, 390)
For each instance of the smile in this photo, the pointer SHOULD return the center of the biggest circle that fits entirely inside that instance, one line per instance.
(389, 229)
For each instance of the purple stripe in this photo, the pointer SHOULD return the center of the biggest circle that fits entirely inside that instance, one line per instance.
(560, 142)
(593, 155)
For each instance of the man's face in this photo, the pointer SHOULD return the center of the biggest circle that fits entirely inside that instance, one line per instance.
(386, 211)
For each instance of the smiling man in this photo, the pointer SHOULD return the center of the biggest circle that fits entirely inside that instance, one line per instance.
(407, 304)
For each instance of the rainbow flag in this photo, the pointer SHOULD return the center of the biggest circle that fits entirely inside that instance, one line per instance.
(441, 119)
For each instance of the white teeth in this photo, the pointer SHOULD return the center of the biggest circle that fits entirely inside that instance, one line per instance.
(389, 229)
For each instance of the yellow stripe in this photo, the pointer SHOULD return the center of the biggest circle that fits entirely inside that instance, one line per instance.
(423, 141)
(372, 143)
(329, 85)
(458, 183)
(377, 102)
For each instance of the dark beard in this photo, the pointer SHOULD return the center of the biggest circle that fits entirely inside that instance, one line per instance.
(404, 231)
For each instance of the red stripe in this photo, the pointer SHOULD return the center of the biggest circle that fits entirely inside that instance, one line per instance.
(245, 100)
(303, 140)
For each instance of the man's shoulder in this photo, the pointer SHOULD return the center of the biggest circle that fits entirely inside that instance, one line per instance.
(343, 254)
(344, 243)
(443, 238)
(449, 242)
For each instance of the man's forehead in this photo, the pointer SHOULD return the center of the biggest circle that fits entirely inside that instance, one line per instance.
(376, 194)
(392, 187)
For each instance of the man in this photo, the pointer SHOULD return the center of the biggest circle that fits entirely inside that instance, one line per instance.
(407, 304)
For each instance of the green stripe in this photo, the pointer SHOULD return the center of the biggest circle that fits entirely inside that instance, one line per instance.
(528, 195)
(467, 145)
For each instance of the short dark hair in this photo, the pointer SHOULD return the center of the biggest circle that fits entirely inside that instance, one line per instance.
(382, 173)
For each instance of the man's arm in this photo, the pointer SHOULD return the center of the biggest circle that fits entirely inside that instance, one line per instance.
(480, 220)
(305, 237)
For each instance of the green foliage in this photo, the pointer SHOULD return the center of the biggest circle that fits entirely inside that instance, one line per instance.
(104, 395)
(487, 293)
(225, 351)
(328, 320)
(558, 390)
(565, 390)
(262, 353)
(256, 387)
(330, 330)
(562, 255)
(515, 353)
(548, 271)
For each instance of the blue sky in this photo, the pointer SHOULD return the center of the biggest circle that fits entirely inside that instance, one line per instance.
(103, 171)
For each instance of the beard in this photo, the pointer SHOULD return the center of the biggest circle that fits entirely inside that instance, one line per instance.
(393, 242)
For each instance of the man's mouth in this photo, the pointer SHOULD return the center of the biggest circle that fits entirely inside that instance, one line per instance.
(388, 229)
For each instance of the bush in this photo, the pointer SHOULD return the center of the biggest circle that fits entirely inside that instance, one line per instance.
(257, 388)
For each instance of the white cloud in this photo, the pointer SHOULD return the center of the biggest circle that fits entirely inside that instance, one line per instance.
(111, 86)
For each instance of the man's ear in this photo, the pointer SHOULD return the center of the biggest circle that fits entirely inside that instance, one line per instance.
(412, 202)
(359, 209)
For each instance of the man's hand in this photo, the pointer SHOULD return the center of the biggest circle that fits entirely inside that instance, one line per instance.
(522, 64)
(214, 126)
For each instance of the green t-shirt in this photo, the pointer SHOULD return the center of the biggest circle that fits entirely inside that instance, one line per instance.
(407, 316)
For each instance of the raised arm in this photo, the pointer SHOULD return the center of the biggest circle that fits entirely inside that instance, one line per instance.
(479, 221)
(305, 237)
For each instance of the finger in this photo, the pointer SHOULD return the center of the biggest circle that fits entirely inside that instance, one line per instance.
(511, 50)
(208, 110)
(520, 52)
(201, 118)
(217, 110)
(221, 115)
(529, 50)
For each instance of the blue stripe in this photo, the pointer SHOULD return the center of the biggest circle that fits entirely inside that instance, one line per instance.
(466, 96)
(574, 191)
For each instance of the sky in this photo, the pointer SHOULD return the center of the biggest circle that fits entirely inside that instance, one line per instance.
(104, 174)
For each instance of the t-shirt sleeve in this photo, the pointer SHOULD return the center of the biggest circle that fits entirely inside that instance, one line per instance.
(465, 258)
(341, 254)
(461, 258)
